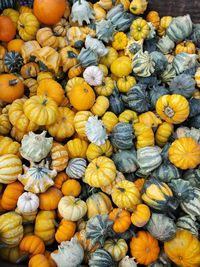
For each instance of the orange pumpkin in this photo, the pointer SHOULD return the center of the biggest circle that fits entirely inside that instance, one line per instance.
(82, 97)
(11, 87)
(11, 194)
(15, 45)
(49, 199)
(49, 12)
(139, 183)
(144, 248)
(140, 215)
(32, 245)
(121, 218)
(75, 71)
(60, 179)
(7, 29)
(71, 187)
(41, 260)
(65, 231)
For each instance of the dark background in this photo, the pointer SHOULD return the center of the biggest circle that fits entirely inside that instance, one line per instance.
(164, 7)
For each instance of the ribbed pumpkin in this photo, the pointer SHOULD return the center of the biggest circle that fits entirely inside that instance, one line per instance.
(163, 133)
(122, 135)
(100, 172)
(140, 215)
(144, 135)
(77, 148)
(65, 231)
(8, 146)
(98, 203)
(71, 187)
(80, 120)
(109, 120)
(94, 151)
(121, 218)
(60, 178)
(32, 245)
(49, 200)
(121, 66)
(59, 157)
(76, 168)
(5, 125)
(117, 248)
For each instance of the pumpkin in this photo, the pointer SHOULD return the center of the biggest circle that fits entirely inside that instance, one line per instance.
(73, 82)
(100, 106)
(11, 87)
(80, 121)
(188, 223)
(59, 157)
(125, 161)
(15, 45)
(25, 9)
(37, 178)
(122, 135)
(65, 231)
(71, 208)
(106, 88)
(12, 14)
(98, 203)
(82, 97)
(43, 10)
(27, 26)
(40, 260)
(94, 151)
(149, 119)
(139, 29)
(12, 255)
(93, 75)
(32, 245)
(27, 203)
(161, 227)
(101, 258)
(121, 218)
(182, 190)
(49, 200)
(105, 4)
(140, 215)
(116, 248)
(75, 71)
(5, 125)
(124, 84)
(186, 47)
(76, 168)
(184, 153)
(8, 29)
(108, 59)
(121, 66)
(166, 172)
(29, 70)
(31, 84)
(100, 172)
(138, 7)
(60, 28)
(71, 187)
(163, 133)
(144, 135)
(172, 108)
(158, 195)
(144, 248)
(10, 168)
(68, 57)
(184, 249)
(164, 24)
(11, 195)
(18, 118)
(109, 120)
(16, 134)
(97, 228)
(183, 85)
(154, 18)
(77, 148)
(120, 41)
(44, 226)
(60, 178)
(125, 195)
(45, 37)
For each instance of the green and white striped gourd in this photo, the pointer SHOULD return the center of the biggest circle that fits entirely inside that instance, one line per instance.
(192, 207)
(166, 172)
(188, 223)
(160, 61)
(184, 61)
(125, 161)
(101, 258)
(193, 176)
(122, 136)
(143, 65)
(165, 45)
(76, 168)
(182, 189)
(161, 227)
(180, 28)
(182, 85)
(149, 159)
(168, 74)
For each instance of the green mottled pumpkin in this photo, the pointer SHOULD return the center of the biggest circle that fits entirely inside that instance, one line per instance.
(191, 207)
(101, 258)
(156, 92)
(168, 74)
(161, 227)
(143, 65)
(193, 176)
(165, 45)
(182, 189)
(125, 161)
(188, 223)
(116, 104)
(166, 172)
(160, 61)
(122, 136)
(182, 85)
(183, 62)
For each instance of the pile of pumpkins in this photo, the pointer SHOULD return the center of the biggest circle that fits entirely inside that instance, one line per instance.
(99, 135)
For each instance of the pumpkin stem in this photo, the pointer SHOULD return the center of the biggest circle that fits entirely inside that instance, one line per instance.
(121, 189)
(13, 82)
(169, 112)
(44, 102)
(79, 1)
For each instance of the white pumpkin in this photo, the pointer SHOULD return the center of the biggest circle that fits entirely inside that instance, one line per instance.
(76, 168)
(96, 45)
(96, 131)
(70, 254)
(127, 262)
(28, 202)
(93, 75)
(81, 11)
(35, 147)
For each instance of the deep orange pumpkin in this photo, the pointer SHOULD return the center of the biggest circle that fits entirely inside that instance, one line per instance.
(7, 29)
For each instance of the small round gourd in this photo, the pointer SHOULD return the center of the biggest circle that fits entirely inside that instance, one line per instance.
(76, 168)
(116, 248)
(122, 136)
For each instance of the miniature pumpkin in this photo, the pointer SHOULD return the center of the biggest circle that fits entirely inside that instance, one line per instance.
(71, 187)
(163, 133)
(27, 26)
(138, 7)
(139, 29)
(183, 85)
(49, 12)
(186, 47)
(10, 168)
(29, 70)
(80, 121)
(49, 200)
(15, 45)
(11, 88)
(75, 71)
(184, 153)
(40, 260)
(106, 88)
(121, 66)
(188, 223)
(12, 14)
(11, 229)
(45, 37)
(5, 125)
(116, 248)
(60, 28)
(77, 148)
(122, 135)
(95, 151)
(93, 75)
(191, 206)
(8, 146)
(109, 119)
(124, 84)
(27, 203)
(68, 57)
(60, 178)
(164, 24)
(125, 195)
(154, 18)
(8, 29)
(140, 215)
(76, 168)
(32, 245)
(184, 249)
(121, 218)
(144, 248)
(12, 254)
(11, 194)
(100, 106)
(65, 231)
(98, 203)
(32, 85)
(108, 59)
(59, 157)
(144, 135)
(125, 161)
(100, 172)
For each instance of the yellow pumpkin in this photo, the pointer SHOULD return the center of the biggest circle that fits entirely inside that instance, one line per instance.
(154, 18)
(128, 116)
(120, 41)
(117, 248)
(100, 106)
(18, 118)
(25, 9)
(98, 203)
(109, 120)
(185, 47)
(17, 134)
(43, 75)
(5, 125)
(45, 226)
(80, 120)
(184, 153)
(149, 119)
(77, 148)
(125, 83)
(122, 66)
(99, 12)
(144, 135)
(125, 195)
(139, 29)
(140, 215)
(105, 4)
(184, 249)
(63, 127)
(164, 24)
(59, 157)
(109, 57)
(73, 82)
(95, 151)
(68, 57)
(100, 172)
(27, 26)
(75, 71)
(104, 69)
(45, 37)
(106, 88)
(12, 14)
(71, 187)
(8, 146)
(138, 7)
(163, 133)
(60, 28)
(173, 108)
